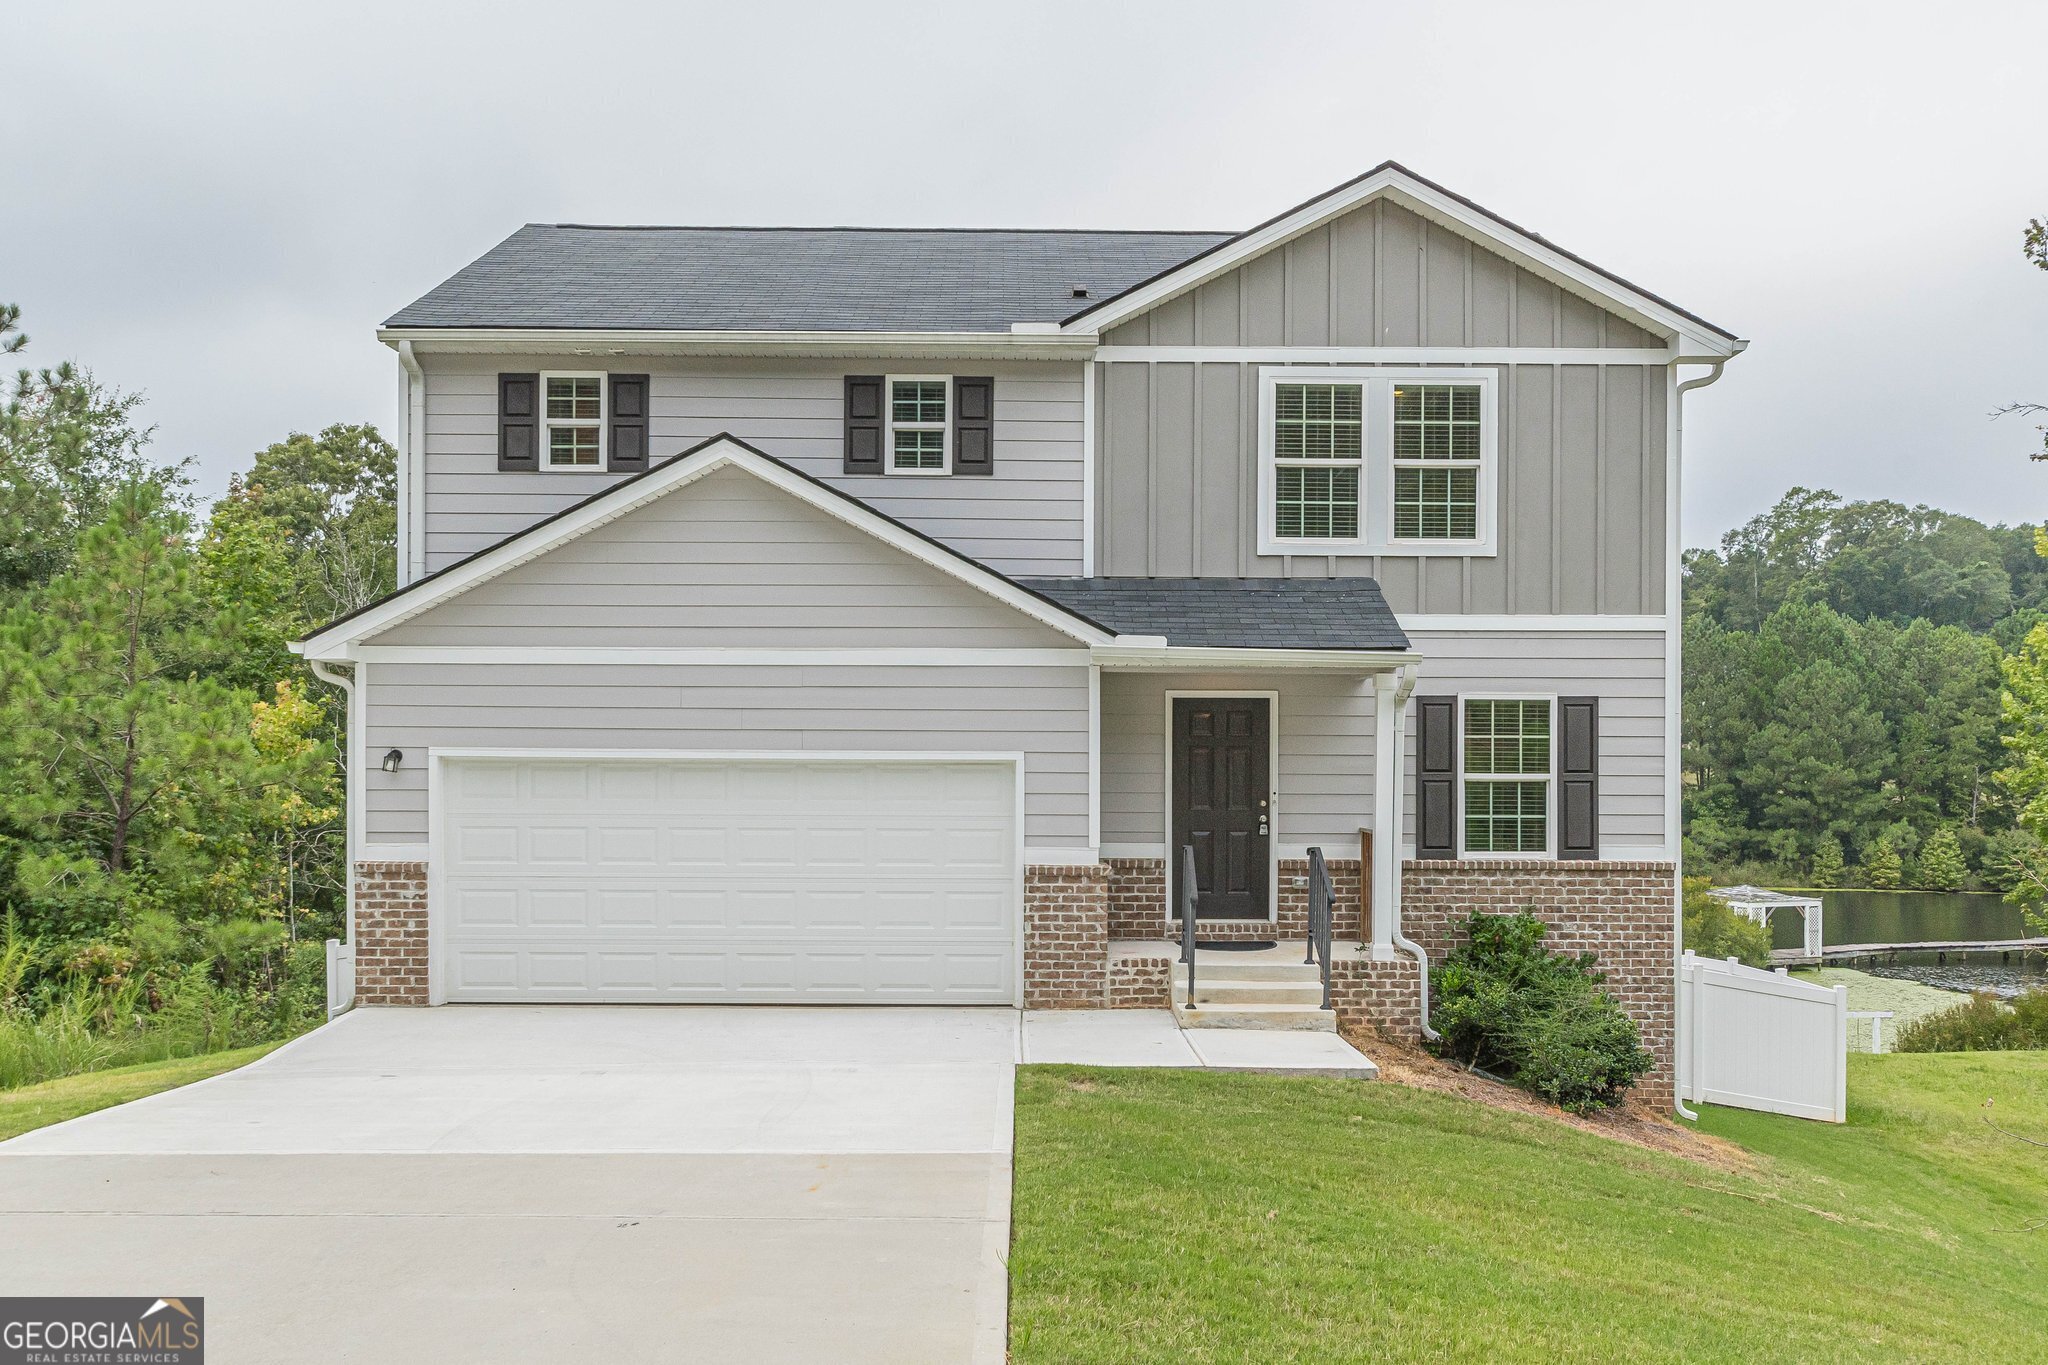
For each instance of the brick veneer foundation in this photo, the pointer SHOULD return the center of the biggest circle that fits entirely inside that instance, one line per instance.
(1066, 936)
(1621, 912)
(1140, 981)
(1137, 902)
(391, 933)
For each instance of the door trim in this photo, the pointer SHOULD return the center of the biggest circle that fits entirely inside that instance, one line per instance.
(1272, 700)
(437, 785)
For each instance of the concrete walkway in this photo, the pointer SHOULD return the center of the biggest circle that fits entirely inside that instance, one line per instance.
(1152, 1038)
(529, 1184)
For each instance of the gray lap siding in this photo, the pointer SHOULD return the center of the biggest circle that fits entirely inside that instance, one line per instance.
(1039, 711)
(1024, 520)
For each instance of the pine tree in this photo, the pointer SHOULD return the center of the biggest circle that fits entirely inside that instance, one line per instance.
(1882, 866)
(1941, 862)
(129, 768)
(1828, 868)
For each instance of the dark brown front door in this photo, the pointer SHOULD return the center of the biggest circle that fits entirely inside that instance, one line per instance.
(1221, 789)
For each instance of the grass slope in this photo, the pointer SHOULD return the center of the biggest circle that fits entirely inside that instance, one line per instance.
(1193, 1216)
(38, 1106)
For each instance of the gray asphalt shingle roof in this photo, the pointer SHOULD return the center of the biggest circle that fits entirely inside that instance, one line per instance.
(1235, 613)
(792, 279)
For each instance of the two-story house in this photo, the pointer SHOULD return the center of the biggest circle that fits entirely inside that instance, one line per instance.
(855, 615)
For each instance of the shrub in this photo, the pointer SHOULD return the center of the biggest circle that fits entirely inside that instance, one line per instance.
(1983, 1023)
(1713, 930)
(1507, 1005)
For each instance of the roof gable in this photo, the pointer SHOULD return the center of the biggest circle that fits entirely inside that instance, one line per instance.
(622, 499)
(1395, 184)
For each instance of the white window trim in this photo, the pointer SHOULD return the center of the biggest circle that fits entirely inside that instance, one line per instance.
(1270, 380)
(547, 426)
(1549, 779)
(1376, 476)
(890, 426)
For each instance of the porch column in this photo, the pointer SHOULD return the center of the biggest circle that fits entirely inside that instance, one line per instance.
(1386, 810)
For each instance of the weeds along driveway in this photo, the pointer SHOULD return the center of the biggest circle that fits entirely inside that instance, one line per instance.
(537, 1183)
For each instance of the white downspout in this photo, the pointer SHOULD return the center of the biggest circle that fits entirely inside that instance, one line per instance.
(1409, 677)
(412, 485)
(351, 793)
(1674, 664)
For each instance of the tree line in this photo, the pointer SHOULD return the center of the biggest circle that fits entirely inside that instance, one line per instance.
(171, 842)
(1846, 713)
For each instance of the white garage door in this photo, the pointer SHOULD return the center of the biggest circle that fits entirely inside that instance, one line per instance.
(644, 880)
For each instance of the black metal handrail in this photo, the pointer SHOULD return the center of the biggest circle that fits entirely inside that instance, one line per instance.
(1187, 915)
(1321, 897)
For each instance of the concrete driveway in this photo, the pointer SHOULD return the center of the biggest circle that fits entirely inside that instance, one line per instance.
(509, 1183)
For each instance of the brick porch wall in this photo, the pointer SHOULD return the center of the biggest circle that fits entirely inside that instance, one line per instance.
(1066, 936)
(1622, 912)
(1386, 996)
(391, 933)
(1140, 983)
(1137, 902)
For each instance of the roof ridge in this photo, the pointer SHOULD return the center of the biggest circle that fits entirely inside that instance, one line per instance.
(788, 227)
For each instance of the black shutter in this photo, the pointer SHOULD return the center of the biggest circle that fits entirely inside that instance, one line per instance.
(864, 424)
(629, 422)
(1578, 777)
(1436, 777)
(519, 421)
(974, 426)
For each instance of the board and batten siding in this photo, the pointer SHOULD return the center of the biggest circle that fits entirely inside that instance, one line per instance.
(726, 560)
(1024, 520)
(1040, 711)
(1325, 742)
(1581, 449)
(1624, 669)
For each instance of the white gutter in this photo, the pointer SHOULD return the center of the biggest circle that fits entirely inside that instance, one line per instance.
(1402, 691)
(1139, 651)
(1674, 665)
(412, 473)
(351, 794)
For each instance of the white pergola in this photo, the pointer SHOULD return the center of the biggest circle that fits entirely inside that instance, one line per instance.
(1756, 903)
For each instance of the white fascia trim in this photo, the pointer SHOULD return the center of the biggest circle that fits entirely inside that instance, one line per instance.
(667, 478)
(1526, 251)
(533, 655)
(1062, 345)
(1532, 625)
(1123, 655)
(1386, 355)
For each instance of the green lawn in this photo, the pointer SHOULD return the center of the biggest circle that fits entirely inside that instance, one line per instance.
(1189, 1216)
(38, 1106)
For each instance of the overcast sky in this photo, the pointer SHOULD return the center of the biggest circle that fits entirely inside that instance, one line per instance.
(216, 204)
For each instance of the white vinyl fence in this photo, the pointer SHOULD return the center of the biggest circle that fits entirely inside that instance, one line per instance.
(1760, 1040)
(341, 976)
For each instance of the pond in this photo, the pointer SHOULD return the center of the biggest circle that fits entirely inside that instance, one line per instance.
(1924, 916)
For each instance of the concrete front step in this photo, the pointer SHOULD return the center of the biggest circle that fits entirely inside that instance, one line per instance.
(1210, 990)
(1296, 1018)
(1245, 967)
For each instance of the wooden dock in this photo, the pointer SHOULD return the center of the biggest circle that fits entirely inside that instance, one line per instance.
(1843, 952)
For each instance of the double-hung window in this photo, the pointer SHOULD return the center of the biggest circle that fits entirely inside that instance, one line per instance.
(1506, 774)
(573, 415)
(920, 440)
(1318, 461)
(1437, 429)
(1358, 460)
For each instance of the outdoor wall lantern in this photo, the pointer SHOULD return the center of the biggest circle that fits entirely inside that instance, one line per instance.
(393, 759)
